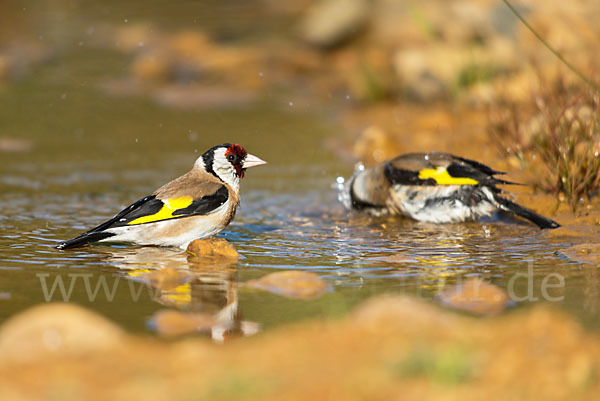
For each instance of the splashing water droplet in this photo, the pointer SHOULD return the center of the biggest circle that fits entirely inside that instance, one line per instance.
(339, 184)
(343, 186)
(487, 232)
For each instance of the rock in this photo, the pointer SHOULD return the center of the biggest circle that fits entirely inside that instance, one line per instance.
(193, 54)
(464, 22)
(15, 145)
(56, 329)
(292, 284)
(217, 248)
(419, 76)
(391, 312)
(331, 22)
(172, 323)
(475, 296)
(390, 345)
(437, 71)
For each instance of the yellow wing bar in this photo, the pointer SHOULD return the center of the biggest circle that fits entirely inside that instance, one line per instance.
(166, 212)
(442, 177)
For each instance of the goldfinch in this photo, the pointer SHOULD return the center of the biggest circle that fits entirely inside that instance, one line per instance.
(196, 205)
(433, 187)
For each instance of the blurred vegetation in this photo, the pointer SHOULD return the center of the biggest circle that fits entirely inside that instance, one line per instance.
(448, 366)
(556, 137)
(474, 73)
(236, 386)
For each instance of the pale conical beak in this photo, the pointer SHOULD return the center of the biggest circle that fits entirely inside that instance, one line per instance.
(251, 161)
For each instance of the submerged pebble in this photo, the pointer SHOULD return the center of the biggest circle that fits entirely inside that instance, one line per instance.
(15, 145)
(292, 284)
(172, 323)
(475, 296)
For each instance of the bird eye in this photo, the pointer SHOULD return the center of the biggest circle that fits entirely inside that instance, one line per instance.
(231, 158)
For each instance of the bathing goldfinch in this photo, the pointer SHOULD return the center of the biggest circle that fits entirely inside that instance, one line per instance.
(196, 205)
(433, 187)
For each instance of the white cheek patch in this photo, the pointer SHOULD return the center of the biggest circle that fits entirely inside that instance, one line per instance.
(223, 168)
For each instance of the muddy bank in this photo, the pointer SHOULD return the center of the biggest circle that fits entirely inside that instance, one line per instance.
(390, 347)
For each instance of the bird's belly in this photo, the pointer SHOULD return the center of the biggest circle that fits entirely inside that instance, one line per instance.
(177, 232)
(443, 203)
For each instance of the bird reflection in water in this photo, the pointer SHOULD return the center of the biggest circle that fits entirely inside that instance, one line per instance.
(202, 290)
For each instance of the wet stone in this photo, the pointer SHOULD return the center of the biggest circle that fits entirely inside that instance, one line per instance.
(475, 296)
(56, 329)
(217, 248)
(392, 312)
(292, 284)
(331, 22)
(172, 323)
(15, 145)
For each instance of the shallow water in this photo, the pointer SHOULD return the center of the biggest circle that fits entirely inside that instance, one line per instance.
(87, 155)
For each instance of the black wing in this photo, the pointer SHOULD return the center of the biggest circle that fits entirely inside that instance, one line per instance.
(97, 233)
(409, 170)
(467, 168)
(148, 207)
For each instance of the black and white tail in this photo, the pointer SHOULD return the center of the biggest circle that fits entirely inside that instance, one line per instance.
(84, 239)
(537, 219)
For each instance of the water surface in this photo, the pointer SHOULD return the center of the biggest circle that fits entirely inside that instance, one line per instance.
(87, 154)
